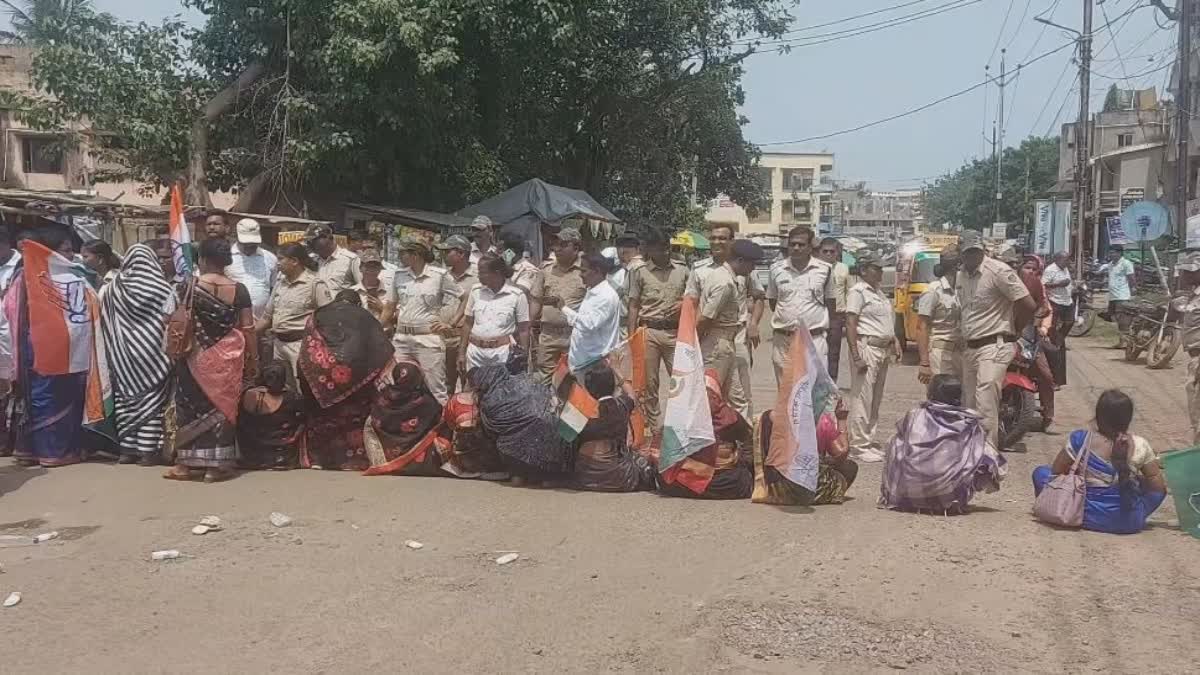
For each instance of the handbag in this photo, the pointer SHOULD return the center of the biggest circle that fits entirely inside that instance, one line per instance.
(1061, 502)
(180, 333)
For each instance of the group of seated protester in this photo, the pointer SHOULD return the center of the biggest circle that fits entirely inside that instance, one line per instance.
(355, 408)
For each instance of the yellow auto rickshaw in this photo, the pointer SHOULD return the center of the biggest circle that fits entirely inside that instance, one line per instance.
(914, 272)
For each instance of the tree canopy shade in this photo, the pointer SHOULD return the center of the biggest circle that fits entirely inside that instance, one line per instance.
(967, 197)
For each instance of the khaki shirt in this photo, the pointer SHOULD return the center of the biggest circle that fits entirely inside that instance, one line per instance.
(340, 270)
(527, 277)
(719, 298)
(841, 285)
(566, 285)
(658, 290)
(987, 298)
(700, 271)
(465, 283)
(420, 298)
(876, 318)
(940, 304)
(293, 301)
(379, 293)
(746, 288)
(800, 295)
(1189, 306)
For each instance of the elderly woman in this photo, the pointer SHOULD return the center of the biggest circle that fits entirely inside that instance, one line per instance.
(404, 433)
(343, 352)
(271, 428)
(521, 415)
(605, 462)
(940, 456)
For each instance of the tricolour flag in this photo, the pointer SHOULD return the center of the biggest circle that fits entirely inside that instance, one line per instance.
(578, 408)
(806, 393)
(180, 235)
(687, 422)
(628, 361)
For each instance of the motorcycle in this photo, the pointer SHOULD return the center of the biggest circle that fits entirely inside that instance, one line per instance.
(1085, 313)
(1151, 330)
(1019, 408)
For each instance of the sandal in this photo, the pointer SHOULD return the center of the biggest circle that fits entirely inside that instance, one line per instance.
(175, 474)
(217, 475)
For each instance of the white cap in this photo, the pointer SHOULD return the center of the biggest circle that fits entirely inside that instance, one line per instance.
(248, 231)
(610, 253)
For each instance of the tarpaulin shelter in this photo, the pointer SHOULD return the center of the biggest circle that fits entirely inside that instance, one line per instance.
(525, 208)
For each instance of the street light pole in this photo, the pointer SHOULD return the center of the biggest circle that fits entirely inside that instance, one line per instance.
(1183, 115)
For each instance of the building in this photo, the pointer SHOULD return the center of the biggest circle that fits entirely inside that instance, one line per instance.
(798, 186)
(853, 210)
(1128, 150)
(33, 159)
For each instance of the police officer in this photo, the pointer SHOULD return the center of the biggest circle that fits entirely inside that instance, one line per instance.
(1188, 304)
(563, 280)
(940, 339)
(415, 306)
(799, 290)
(338, 267)
(456, 251)
(720, 315)
(994, 304)
(871, 337)
(656, 292)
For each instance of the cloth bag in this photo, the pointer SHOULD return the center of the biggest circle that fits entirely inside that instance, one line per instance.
(1061, 502)
(180, 334)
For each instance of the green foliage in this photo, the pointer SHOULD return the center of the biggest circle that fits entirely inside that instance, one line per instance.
(966, 196)
(44, 21)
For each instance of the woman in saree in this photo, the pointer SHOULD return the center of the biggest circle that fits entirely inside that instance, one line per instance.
(1043, 323)
(99, 258)
(1125, 483)
(723, 470)
(49, 409)
(208, 382)
(521, 415)
(271, 424)
(940, 456)
(405, 434)
(604, 461)
(342, 355)
(834, 477)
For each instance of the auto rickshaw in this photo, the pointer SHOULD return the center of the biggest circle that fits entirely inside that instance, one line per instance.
(915, 261)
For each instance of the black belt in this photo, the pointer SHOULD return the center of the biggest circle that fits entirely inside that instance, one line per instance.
(290, 335)
(989, 340)
(659, 324)
(815, 332)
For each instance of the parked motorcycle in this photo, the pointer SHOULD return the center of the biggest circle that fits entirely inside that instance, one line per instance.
(1151, 330)
(1019, 409)
(1085, 312)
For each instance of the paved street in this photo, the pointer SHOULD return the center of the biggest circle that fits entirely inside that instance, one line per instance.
(605, 582)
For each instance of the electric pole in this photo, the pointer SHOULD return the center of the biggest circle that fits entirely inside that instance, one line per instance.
(1183, 115)
(1082, 134)
(1000, 141)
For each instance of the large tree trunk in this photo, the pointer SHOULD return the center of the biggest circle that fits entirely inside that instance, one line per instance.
(197, 174)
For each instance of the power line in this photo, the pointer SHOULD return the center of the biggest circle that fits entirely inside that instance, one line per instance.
(807, 41)
(1057, 115)
(1049, 98)
(1003, 25)
(1020, 23)
(856, 16)
(920, 108)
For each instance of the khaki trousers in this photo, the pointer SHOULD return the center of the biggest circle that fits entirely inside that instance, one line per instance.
(866, 393)
(741, 396)
(429, 351)
(781, 353)
(946, 361)
(719, 354)
(1193, 397)
(660, 349)
(290, 352)
(982, 381)
(550, 349)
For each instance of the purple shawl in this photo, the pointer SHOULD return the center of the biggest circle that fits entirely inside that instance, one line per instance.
(938, 459)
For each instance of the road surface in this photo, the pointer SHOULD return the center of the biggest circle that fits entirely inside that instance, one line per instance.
(604, 582)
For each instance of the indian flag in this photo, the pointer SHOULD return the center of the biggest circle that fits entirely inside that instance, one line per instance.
(180, 235)
(687, 421)
(578, 408)
(805, 393)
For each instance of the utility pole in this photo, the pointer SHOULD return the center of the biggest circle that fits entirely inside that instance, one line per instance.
(1025, 210)
(1183, 115)
(1000, 141)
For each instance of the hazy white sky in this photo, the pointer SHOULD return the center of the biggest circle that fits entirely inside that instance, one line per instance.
(847, 82)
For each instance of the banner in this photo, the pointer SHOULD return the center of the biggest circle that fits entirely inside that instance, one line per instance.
(1051, 226)
(1116, 231)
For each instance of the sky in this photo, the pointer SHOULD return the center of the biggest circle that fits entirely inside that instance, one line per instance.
(854, 80)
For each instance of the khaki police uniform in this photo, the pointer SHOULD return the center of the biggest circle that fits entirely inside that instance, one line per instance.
(420, 300)
(720, 304)
(555, 336)
(465, 283)
(291, 303)
(1189, 307)
(739, 393)
(801, 296)
(986, 300)
(341, 270)
(876, 347)
(658, 291)
(940, 305)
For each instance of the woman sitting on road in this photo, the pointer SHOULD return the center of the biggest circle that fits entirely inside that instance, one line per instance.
(405, 430)
(723, 470)
(940, 456)
(521, 416)
(604, 462)
(271, 428)
(1125, 483)
(836, 475)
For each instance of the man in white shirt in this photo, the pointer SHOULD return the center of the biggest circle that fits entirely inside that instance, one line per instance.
(799, 289)
(596, 325)
(496, 313)
(1122, 284)
(257, 269)
(1057, 280)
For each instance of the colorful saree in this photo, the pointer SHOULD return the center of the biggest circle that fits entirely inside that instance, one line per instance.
(405, 435)
(343, 352)
(835, 474)
(721, 470)
(521, 415)
(208, 384)
(605, 462)
(271, 440)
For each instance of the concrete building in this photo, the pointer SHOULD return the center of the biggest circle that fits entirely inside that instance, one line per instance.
(869, 215)
(33, 159)
(798, 185)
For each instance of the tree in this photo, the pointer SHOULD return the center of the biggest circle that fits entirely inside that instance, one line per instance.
(44, 21)
(966, 197)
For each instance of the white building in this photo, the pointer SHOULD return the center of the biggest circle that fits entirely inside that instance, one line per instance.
(798, 184)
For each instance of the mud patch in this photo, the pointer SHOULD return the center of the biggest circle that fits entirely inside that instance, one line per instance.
(31, 524)
(76, 533)
(817, 632)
